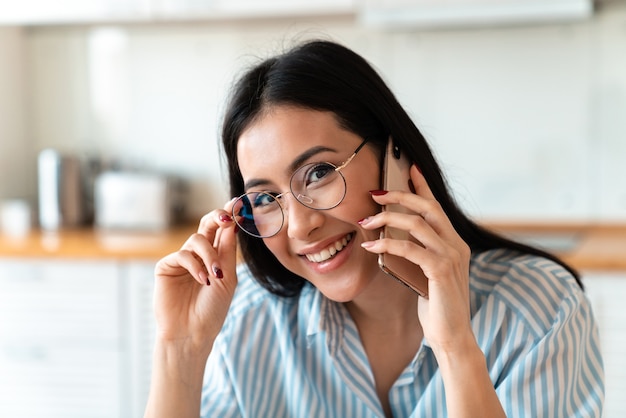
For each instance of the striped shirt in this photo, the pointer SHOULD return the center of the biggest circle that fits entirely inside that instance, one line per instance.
(302, 357)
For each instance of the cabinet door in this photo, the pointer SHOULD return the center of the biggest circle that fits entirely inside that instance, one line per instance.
(70, 11)
(59, 300)
(607, 292)
(39, 379)
(465, 13)
(139, 281)
(283, 7)
(60, 351)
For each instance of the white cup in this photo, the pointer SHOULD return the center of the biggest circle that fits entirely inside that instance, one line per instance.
(15, 217)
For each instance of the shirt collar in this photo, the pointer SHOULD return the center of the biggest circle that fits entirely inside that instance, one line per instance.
(325, 317)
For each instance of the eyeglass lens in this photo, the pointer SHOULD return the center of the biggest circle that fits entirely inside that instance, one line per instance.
(316, 185)
(259, 214)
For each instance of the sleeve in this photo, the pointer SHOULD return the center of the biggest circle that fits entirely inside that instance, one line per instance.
(558, 372)
(219, 398)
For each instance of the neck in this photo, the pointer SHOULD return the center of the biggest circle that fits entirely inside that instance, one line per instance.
(386, 317)
(388, 306)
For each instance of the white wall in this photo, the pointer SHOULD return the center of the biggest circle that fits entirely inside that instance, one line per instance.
(530, 122)
(15, 181)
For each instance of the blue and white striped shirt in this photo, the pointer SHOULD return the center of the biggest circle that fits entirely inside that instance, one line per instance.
(302, 357)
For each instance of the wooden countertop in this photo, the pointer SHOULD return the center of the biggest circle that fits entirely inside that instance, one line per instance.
(93, 243)
(587, 246)
(593, 246)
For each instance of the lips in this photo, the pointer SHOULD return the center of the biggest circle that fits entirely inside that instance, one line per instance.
(330, 251)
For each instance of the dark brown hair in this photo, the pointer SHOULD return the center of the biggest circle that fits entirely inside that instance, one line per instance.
(323, 75)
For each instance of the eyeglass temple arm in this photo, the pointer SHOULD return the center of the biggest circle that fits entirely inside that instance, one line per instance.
(356, 151)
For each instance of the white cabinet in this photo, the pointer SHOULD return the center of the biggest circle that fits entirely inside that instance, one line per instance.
(60, 352)
(450, 13)
(75, 338)
(38, 12)
(70, 11)
(139, 279)
(607, 292)
(283, 7)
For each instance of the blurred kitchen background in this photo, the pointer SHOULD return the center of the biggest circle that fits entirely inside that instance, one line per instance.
(524, 102)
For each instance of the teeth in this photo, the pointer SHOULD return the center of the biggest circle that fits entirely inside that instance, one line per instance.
(330, 251)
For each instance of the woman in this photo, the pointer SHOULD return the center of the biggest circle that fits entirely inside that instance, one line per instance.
(315, 328)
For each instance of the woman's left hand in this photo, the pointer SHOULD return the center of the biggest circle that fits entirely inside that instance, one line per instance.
(443, 257)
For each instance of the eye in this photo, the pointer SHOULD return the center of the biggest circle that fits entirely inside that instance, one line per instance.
(318, 173)
(263, 199)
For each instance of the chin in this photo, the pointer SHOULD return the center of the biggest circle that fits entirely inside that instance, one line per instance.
(338, 296)
(344, 288)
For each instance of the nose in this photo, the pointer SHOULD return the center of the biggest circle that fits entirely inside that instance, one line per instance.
(300, 220)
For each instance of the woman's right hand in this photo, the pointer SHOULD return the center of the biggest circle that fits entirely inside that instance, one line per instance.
(195, 285)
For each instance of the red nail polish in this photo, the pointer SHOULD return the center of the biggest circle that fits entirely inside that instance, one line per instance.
(205, 277)
(218, 272)
(378, 192)
(225, 218)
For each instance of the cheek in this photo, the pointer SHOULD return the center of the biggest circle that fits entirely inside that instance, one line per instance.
(357, 207)
(358, 198)
(278, 245)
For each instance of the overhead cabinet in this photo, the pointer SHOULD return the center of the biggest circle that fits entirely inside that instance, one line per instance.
(36, 12)
(383, 13)
(224, 9)
(45, 12)
(452, 13)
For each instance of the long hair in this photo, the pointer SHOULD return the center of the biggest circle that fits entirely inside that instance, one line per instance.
(325, 76)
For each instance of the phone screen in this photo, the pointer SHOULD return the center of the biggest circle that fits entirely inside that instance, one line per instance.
(396, 176)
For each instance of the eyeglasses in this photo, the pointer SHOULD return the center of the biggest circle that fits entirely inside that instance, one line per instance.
(319, 186)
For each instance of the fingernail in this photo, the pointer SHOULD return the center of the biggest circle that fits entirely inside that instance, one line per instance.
(367, 244)
(205, 277)
(218, 272)
(363, 221)
(378, 192)
(412, 187)
(418, 168)
(225, 218)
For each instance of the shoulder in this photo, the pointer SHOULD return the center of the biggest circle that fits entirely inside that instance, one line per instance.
(537, 290)
(250, 297)
(255, 311)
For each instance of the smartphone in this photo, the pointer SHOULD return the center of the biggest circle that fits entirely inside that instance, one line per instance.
(395, 176)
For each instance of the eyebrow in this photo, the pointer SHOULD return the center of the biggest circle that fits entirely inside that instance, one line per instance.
(295, 164)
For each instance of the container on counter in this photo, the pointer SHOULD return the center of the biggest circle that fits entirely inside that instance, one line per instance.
(60, 193)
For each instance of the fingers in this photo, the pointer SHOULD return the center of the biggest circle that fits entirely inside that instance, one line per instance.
(201, 259)
(423, 204)
(181, 263)
(420, 184)
(439, 246)
(208, 254)
(212, 222)
(425, 235)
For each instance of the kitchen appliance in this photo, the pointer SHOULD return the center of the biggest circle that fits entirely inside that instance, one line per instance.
(59, 190)
(137, 201)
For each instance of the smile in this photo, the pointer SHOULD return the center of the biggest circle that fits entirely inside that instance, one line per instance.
(330, 251)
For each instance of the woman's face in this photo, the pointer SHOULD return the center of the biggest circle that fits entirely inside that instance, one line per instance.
(267, 151)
